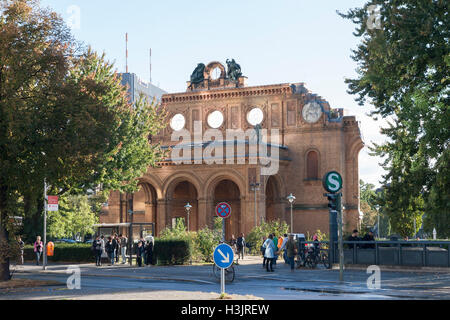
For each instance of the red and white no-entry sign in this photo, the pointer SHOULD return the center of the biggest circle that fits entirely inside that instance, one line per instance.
(223, 210)
(52, 203)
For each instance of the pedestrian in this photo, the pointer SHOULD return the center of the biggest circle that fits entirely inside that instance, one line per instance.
(110, 249)
(123, 247)
(275, 242)
(139, 253)
(21, 248)
(117, 251)
(149, 252)
(115, 244)
(291, 251)
(102, 239)
(353, 237)
(233, 243)
(369, 237)
(271, 249)
(97, 246)
(144, 255)
(240, 245)
(263, 250)
(38, 247)
(283, 247)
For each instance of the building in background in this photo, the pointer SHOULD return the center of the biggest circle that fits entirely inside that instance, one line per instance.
(312, 139)
(137, 86)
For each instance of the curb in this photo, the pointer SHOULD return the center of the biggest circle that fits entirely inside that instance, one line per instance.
(393, 268)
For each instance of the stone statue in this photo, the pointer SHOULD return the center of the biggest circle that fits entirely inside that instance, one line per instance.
(234, 70)
(197, 75)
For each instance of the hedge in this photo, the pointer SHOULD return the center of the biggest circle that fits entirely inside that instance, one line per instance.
(172, 251)
(64, 252)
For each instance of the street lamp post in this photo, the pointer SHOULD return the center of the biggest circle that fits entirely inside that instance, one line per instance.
(188, 210)
(255, 187)
(291, 199)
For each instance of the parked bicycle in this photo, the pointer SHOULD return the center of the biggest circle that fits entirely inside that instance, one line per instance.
(229, 272)
(312, 255)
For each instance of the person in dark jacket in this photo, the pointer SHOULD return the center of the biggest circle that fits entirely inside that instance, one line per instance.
(240, 245)
(369, 237)
(353, 237)
(149, 252)
(139, 253)
(97, 247)
(110, 249)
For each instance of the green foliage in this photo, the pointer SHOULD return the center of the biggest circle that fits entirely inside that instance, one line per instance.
(64, 117)
(255, 237)
(64, 252)
(410, 83)
(172, 251)
(207, 240)
(74, 217)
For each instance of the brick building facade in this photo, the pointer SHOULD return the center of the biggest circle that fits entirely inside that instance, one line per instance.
(305, 139)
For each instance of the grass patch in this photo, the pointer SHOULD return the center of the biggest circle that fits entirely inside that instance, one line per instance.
(26, 283)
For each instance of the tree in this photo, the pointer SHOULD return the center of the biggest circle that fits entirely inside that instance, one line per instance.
(74, 217)
(403, 70)
(64, 116)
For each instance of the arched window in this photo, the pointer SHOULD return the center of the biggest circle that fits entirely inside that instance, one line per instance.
(312, 165)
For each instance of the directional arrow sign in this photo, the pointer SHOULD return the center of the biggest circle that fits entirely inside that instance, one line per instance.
(223, 256)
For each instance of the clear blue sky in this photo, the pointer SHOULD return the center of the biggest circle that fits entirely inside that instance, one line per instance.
(273, 41)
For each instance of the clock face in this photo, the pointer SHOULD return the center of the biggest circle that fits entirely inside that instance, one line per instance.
(311, 112)
(255, 116)
(215, 73)
(177, 122)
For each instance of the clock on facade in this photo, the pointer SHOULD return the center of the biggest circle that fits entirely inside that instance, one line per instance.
(311, 112)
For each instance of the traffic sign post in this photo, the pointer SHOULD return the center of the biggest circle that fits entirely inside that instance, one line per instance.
(223, 258)
(332, 182)
(223, 210)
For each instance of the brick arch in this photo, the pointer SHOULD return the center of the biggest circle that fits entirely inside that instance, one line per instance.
(172, 180)
(215, 178)
(155, 182)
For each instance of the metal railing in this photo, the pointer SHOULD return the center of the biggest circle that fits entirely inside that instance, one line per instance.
(400, 253)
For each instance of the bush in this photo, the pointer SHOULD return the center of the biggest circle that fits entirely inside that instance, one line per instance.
(207, 240)
(172, 251)
(64, 252)
(255, 237)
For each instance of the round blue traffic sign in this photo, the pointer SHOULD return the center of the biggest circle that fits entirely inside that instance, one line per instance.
(223, 210)
(223, 256)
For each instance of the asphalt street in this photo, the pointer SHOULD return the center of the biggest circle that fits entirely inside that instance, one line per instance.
(251, 282)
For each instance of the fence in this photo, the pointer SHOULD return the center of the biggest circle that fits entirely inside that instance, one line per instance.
(398, 253)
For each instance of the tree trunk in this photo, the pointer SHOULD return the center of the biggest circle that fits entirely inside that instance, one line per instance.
(4, 237)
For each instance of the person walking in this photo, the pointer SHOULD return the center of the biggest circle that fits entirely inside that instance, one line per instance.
(38, 247)
(291, 251)
(139, 253)
(21, 248)
(270, 252)
(97, 246)
(123, 248)
(110, 250)
(240, 245)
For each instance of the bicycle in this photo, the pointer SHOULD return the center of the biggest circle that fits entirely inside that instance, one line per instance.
(229, 272)
(315, 256)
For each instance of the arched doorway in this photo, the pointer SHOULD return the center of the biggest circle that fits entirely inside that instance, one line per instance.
(144, 209)
(273, 209)
(179, 194)
(228, 191)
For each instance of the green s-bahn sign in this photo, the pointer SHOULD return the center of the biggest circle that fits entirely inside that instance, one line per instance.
(332, 181)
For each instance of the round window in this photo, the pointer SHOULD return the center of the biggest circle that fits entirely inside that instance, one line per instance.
(177, 122)
(255, 116)
(215, 119)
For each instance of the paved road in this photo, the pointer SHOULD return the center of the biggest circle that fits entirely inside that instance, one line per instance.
(252, 282)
